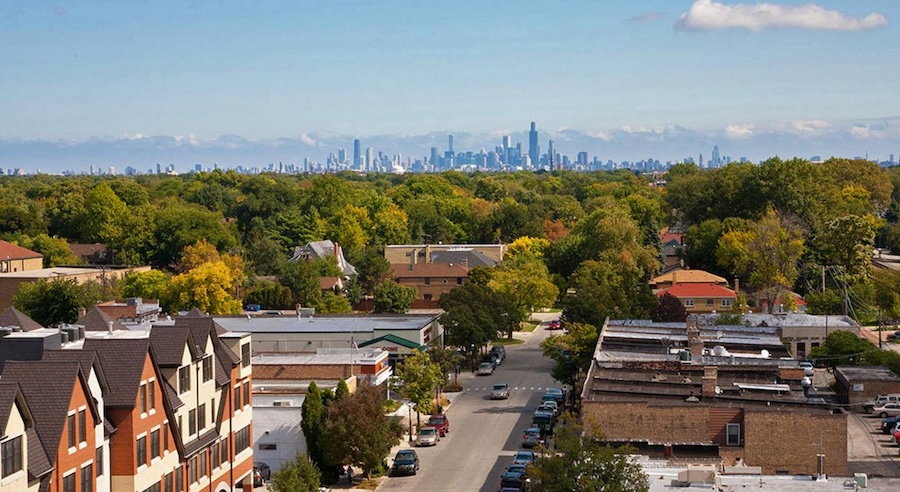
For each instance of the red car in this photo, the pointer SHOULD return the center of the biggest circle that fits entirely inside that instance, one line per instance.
(896, 434)
(555, 325)
(439, 422)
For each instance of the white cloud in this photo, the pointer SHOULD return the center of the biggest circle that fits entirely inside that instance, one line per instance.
(305, 138)
(133, 136)
(599, 134)
(810, 127)
(739, 131)
(708, 15)
(872, 132)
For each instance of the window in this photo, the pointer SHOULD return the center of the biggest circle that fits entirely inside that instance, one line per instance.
(70, 422)
(82, 426)
(427, 280)
(242, 439)
(245, 355)
(268, 447)
(688, 303)
(459, 280)
(709, 302)
(154, 444)
(167, 481)
(143, 395)
(184, 379)
(224, 445)
(142, 450)
(192, 422)
(192, 470)
(246, 393)
(215, 455)
(201, 417)
(151, 386)
(165, 438)
(11, 451)
(179, 479)
(69, 482)
(153, 488)
(733, 434)
(98, 459)
(726, 302)
(87, 478)
(203, 463)
(212, 412)
(207, 368)
(428, 297)
(237, 398)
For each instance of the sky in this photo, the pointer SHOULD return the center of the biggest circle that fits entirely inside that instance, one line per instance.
(317, 71)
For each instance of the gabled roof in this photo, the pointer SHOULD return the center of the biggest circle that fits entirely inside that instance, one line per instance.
(97, 320)
(10, 251)
(682, 291)
(195, 312)
(393, 339)
(38, 462)
(322, 250)
(14, 317)
(168, 344)
(48, 387)
(124, 359)
(683, 276)
(419, 270)
(203, 328)
(666, 235)
(86, 358)
(10, 396)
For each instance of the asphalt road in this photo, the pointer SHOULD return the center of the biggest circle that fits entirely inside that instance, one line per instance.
(484, 433)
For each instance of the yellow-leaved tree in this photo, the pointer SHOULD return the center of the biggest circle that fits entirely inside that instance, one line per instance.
(208, 281)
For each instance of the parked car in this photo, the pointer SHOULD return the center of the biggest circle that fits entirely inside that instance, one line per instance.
(544, 421)
(500, 391)
(893, 337)
(485, 369)
(531, 437)
(257, 478)
(808, 369)
(499, 350)
(896, 434)
(550, 407)
(264, 470)
(555, 325)
(523, 458)
(405, 463)
(439, 422)
(869, 406)
(493, 358)
(887, 410)
(427, 436)
(559, 394)
(888, 424)
(513, 479)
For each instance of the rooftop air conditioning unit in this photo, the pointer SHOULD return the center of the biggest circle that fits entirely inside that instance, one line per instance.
(282, 403)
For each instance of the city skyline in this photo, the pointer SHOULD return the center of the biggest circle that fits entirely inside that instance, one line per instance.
(232, 82)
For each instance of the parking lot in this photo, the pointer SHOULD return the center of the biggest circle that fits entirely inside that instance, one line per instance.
(868, 449)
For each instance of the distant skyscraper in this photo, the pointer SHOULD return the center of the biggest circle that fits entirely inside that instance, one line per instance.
(701, 161)
(342, 155)
(550, 155)
(506, 142)
(370, 159)
(434, 157)
(533, 144)
(357, 155)
(450, 143)
(716, 159)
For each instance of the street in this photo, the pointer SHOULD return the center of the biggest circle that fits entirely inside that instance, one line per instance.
(484, 433)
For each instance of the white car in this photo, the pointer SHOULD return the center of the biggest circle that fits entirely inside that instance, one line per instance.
(485, 369)
(500, 391)
(427, 436)
(887, 410)
(808, 369)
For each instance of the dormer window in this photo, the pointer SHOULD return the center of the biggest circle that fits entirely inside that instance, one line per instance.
(184, 379)
(207, 368)
(11, 455)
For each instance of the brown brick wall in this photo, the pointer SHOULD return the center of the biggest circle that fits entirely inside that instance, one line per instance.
(789, 441)
(301, 371)
(640, 421)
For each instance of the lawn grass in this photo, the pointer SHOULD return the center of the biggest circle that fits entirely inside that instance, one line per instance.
(506, 341)
(529, 326)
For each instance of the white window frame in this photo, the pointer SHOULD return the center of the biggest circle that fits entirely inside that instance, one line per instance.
(688, 303)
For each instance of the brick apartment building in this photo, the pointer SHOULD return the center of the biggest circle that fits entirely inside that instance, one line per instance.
(719, 398)
(161, 409)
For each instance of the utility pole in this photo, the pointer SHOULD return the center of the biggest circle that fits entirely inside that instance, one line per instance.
(823, 279)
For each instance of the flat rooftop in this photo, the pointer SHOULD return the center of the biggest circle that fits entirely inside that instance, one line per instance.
(322, 357)
(325, 323)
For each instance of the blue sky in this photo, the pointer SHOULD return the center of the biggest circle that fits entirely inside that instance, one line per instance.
(76, 70)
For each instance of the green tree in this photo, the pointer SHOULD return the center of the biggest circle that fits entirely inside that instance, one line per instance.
(103, 215)
(55, 250)
(842, 347)
(312, 418)
(766, 255)
(152, 284)
(887, 292)
(847, 242)
(269, 295)
(331, 303)
(474, 315)
(302, 279)
(607, 289)
(581, 462)
(526, 280)
(357, 432)
(57, 301)
(419, 379)
(179, 225)
(341, 391)
(297, 475)
(572, 352)
(265, 256)
(446, 359)
(208, 287)
(391, 297)
(372, 269)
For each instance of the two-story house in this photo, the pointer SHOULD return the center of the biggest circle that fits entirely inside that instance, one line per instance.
(17, 426)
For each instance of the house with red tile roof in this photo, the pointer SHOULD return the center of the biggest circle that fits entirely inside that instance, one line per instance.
(15, 258)
(685, 276)
(702, 298)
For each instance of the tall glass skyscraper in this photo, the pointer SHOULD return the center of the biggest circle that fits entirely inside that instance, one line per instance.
(533, 145)
(357, 163)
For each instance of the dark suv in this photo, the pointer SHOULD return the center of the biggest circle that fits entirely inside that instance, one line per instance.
(405, 463)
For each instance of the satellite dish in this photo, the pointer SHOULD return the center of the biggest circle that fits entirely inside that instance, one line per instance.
(718, 390)
(719, 334)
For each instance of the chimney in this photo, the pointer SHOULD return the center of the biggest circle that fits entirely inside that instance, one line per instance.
(413, 257)
(109, 327)
(674, 278)
(695, 343)
(337, 250)
(427, 253)
(710, 378)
